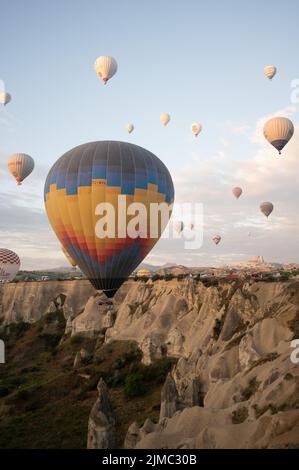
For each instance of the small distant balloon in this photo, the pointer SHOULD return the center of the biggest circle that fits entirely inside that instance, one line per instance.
(4, 97)
(278, 131)
(20, 166)
(196, 128)
(178, 226)
(130, 128)
(216, 239)
(266, 208)
(165, 118)
(270, 71)
(191, 226)
(105, 67)
(9, 265)
(237, 191)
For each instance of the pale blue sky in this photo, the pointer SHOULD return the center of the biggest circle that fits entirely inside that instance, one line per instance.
(198, 60)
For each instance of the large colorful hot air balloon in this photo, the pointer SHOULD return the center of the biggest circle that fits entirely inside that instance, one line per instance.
(196, 128)
(237, 191)
(9, 265)
(278, 131)
(270, 71)
(4, 97)
(216, 239)
(165, 118)
(86, 183)
(69, 258)
(130, 128)
(266, 208)
(105, 66)
(20, 166)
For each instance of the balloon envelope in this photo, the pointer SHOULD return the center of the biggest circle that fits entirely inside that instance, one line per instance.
(266, 208)
(278, 131)
(4, 98)
(20, 166)
(9, 265)
(130, 128)
(196, 128)
(178, 226)
(216, 239)
(270, 71)
(105, 66)
(237, 191)
(165, 118)
(84, 184)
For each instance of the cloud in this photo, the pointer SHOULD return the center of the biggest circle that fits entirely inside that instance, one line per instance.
(264, 176)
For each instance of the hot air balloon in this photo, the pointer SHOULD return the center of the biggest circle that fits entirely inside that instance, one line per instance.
(237, 191)
(191, 226)
(278, 131)
(216, 239)
(9, 265)
(84, 194)
(266, 208)
(4, 98)
(165, 118)
(130, 128)
(20, 166)
(105, 67)
(270, 71)
(69, 258)
(178, 226)
(196, 128)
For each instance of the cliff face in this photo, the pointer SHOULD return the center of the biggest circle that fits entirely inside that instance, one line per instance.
(234, 384)
(29, 301)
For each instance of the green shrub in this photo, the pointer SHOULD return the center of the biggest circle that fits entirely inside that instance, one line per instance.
(19, 329)
(134, 385)
(77, 339)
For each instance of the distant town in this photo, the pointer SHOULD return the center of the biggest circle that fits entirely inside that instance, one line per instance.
(256, 268)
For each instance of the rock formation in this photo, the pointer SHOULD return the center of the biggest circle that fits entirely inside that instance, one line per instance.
(101, 424)
(234, 384)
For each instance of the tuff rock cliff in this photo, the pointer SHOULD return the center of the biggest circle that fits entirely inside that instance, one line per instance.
(234, 384)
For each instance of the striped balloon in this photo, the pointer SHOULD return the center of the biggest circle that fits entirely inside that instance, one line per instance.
(4, 98)
(105, 66)
(270, 71)
(20, 166)
(278, 131)
(86, 183)
(9, 265)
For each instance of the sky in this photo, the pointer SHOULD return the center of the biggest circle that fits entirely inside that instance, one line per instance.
(197, 60)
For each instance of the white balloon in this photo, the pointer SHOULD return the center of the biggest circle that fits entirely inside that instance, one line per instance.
(196, 128)
(130, 128)
(4, 98)
(105, 67)
(165, 118)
